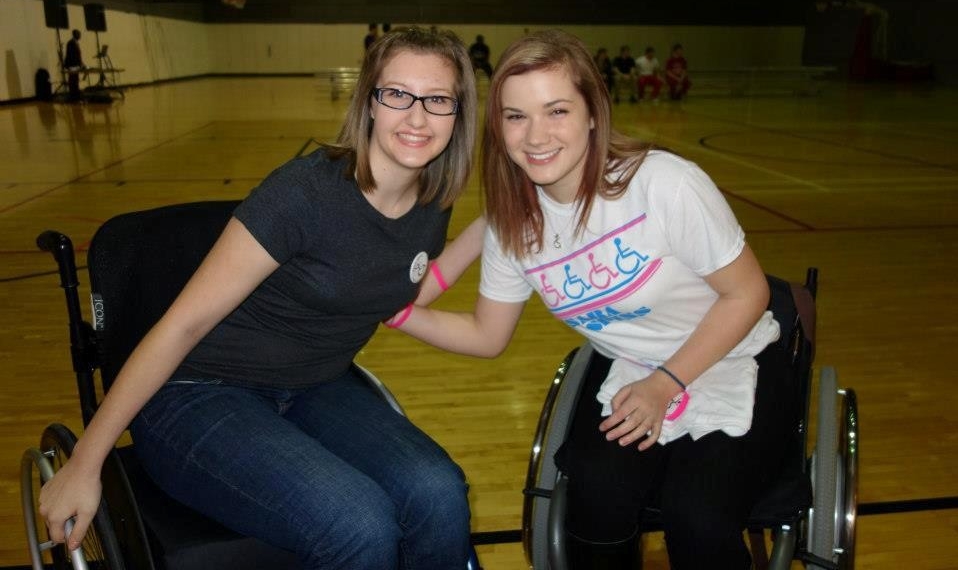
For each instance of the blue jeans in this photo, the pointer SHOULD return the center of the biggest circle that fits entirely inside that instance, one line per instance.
(330, 472)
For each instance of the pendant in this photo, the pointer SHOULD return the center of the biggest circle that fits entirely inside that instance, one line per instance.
(555, 242)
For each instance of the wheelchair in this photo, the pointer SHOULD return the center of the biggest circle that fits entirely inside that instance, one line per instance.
(807, 510)
(137, 263)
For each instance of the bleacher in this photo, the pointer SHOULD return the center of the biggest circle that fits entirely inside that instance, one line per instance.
(798, 81)
(760, 81)
(336, 82)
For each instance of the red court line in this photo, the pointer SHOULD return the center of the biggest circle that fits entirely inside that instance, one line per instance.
(776, 213)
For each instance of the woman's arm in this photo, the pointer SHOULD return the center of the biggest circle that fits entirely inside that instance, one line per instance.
(235, 266)
(485, 332)
(742, 298)
(453, 262)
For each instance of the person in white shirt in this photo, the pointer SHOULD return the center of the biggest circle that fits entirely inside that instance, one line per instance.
(649, 73)
(637, 249)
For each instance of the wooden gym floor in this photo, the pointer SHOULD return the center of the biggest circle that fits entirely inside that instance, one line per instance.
(861, 182)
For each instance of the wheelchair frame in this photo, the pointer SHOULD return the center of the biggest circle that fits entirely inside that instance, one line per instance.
(820, 534)
(120, 535)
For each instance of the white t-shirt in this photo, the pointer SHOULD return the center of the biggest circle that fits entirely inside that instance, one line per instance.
(647, 66)
(632, 283)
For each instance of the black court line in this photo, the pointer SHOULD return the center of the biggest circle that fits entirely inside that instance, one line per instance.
(796, 135)
(909, 163)
(864, 509)
(496, 537)
(858, 229)
(125, 181)
(303, 148)
(908, 506)
(101, 169)
(33, 275)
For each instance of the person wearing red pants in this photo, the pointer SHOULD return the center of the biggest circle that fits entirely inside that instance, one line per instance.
(649, 70)
(677, 73)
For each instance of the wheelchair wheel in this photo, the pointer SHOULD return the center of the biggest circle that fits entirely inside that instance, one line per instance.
(543, 503)
(848, 494)
(99, 549)
(827, 474)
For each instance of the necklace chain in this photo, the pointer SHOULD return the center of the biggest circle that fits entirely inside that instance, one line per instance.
(557, 234)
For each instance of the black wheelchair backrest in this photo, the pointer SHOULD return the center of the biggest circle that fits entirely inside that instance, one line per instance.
(788, 383)
(138, 262)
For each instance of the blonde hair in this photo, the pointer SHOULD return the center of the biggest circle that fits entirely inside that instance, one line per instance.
(445, 177)
(512, 206)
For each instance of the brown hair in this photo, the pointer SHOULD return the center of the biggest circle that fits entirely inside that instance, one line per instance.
(512, 206)
(445, 177)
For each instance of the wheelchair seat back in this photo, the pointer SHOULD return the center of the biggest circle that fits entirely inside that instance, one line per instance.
(138, 262)
(779, 431)
(784, 379)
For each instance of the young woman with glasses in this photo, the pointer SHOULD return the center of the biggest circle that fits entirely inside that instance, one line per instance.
(242, 398)
(636, 249)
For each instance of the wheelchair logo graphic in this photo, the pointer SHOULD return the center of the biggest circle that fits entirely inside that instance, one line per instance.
(580, 287)
(626, 260)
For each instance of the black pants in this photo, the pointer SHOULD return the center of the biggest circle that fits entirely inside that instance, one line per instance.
(73, 85)
(704, 488)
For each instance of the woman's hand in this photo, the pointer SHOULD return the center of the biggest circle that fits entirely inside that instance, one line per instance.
(72, 493)
(638, 410)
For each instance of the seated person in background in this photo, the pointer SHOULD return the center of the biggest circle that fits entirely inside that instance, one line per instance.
(479, 55)
(623, 67)
(677, 73)
(371, 36)
(649, 70)
(604, 63)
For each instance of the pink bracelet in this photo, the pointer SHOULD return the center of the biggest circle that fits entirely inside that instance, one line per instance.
(399, 318)
(677, 406)
(678, 403)
(434, 268)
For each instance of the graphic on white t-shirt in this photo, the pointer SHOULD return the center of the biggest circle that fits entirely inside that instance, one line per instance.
(578, 288)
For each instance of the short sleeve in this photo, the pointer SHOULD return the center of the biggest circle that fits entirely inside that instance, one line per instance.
(276, 211)
(701, 228)
(501, 279)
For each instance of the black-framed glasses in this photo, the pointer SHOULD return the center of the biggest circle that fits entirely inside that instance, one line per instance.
(433, 104)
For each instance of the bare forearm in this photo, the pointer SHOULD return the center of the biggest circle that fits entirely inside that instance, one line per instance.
(234, 267)
(743, 297)
(722, 328)
(148, 367)
(484, 333)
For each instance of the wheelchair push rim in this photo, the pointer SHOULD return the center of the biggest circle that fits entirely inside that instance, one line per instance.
(539, 540)
(848, 494)
(99, 548)
(832, 521)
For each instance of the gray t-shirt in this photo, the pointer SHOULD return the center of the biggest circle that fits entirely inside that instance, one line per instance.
(344, 267)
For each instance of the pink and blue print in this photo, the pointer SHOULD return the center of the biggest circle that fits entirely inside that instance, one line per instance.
(580, 288)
